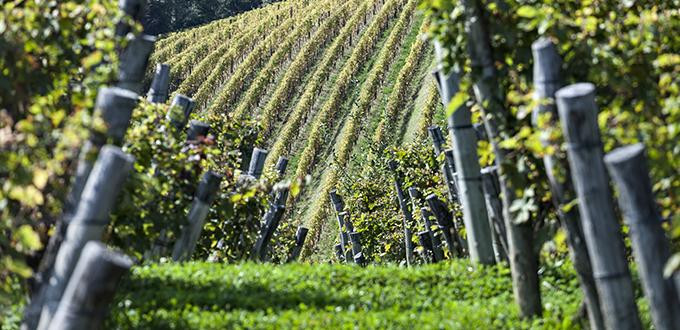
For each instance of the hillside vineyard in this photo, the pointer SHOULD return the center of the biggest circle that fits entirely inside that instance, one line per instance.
(322, 78)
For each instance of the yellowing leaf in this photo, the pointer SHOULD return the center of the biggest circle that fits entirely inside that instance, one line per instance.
(456, 101)
(92, 59)
(40, 177)
(527, 12)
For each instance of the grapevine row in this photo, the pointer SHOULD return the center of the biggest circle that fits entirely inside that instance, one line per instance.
(239, 79)
(400, 95)
(327, 113)
(428, 110)
(215, 80)
(220, 61)
(300, 64)
(348, 136)
(282, 93)
(192, 71)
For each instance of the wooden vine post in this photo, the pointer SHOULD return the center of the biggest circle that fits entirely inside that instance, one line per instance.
(445, 222)
(490, 96)
(179, 111)
(338, 207)
(464, 143)
(578, 115)
(629, 171)
(494, 208)
(158, 92)
(206, 193)
(91, 289)
(403, 201)
(547, 81)
(88, 223)
(300, 236)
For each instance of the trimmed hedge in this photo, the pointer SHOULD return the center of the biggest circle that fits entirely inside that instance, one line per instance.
(448, 295)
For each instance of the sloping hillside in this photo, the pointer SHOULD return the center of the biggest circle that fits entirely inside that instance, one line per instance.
(324, 78)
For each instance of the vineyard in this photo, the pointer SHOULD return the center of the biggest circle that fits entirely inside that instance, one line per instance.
(341, 164)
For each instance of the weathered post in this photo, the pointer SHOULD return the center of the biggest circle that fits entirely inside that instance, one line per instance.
(489, 94)
(451, 176)
(179, 111)
(91, 289)
(348, 228)
(134, 9)
(158, 93)
(338, 206)
(281, 166)
(437, 252)
(445, 222)
(547, 81)
(206, 193)
(300, 236)
(271, 222)
(197, 129)
(408, 217)
(88, 223)
(465, 155)
(133, 62)
(357, 254)
(435, 133)
(629, 171)
(494, 209)
(578, 114)
(426, 242)
(257, 162)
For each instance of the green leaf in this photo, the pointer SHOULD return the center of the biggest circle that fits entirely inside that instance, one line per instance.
(671, 266)
(28, 238)
(527, 12)
(456, 102)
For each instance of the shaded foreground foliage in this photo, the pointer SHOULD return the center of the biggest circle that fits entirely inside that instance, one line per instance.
(451, 295)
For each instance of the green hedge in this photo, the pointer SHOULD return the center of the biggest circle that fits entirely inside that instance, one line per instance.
(451, 295)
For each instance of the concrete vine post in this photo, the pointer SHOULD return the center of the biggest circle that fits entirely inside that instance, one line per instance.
(437, 251)
(158, 92)
(426, 242)
(489, 94)
(445, 222)
(206, 193)
(300, 236)
(547, 81)
(357, 253)
(114, 106)
(338, 206)
(403, 201)
(88, 224)
(578, 115)
(629, 171)
(464, 143)
(348, 228)
(179, 111)
(133, 62)
(494, 209)
(91, 289)
(257, 162)
(197, 129)
(134, 9)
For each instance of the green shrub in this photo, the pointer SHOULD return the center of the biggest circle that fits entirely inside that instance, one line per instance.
(447, 295)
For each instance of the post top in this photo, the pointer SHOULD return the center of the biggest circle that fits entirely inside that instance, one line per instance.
(575, 91)
(116, 152)
(542, 43)
(625, 154)
(489, 169)
(116, 92)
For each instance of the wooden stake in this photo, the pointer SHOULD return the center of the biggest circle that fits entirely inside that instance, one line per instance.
(91, 289)
(88, 223)
(547, 81)
(629, 171)
(578, 114)
(205, 195)
(470, 193)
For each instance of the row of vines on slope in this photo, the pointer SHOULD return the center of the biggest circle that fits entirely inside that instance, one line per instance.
(325, 116)
(191, 72)
(294, 28)
(348, 137)
(301, 63)
(304, 105)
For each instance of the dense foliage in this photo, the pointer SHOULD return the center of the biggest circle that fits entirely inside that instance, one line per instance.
(450, 295)
(54, 56)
